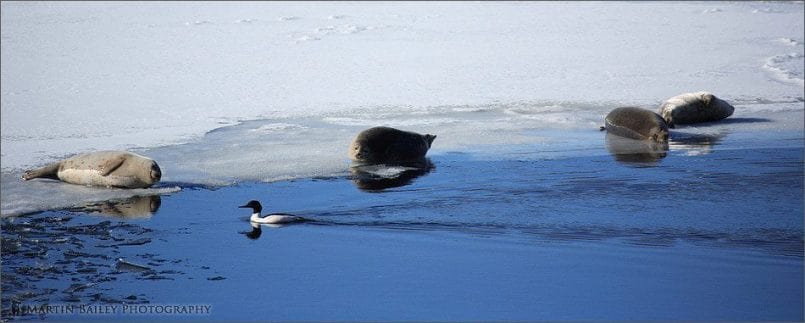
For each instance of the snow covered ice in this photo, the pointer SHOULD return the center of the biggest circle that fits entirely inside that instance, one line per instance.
(224, 92)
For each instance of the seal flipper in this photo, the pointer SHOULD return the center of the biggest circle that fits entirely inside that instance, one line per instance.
(50, 171)
(110, 165)
(429, 139)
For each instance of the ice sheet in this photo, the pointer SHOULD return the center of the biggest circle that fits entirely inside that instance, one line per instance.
(295, 81)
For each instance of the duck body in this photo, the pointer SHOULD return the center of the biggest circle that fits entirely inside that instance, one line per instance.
(274, 218)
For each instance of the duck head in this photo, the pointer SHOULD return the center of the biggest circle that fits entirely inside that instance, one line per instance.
(254, 205)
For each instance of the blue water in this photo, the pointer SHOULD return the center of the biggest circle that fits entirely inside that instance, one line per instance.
(711, 235)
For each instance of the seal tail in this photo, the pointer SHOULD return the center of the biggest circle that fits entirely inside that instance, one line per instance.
(50, 171)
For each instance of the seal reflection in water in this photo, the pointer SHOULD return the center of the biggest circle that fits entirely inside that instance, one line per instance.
(107, 168)
(636, 152)
(636, 123)
(374, 178)
(131, 208)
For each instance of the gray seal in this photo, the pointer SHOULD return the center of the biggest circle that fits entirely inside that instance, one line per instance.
(694, 108)
(106, 168)
(388, 145)
(636, 123)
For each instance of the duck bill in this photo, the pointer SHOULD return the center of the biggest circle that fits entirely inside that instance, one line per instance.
(244, 206)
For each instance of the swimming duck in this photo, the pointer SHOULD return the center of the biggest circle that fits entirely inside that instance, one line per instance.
(275, 218)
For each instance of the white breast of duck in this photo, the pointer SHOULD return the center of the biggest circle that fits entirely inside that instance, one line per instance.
(274, 218)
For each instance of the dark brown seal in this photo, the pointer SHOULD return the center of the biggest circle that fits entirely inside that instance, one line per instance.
(636, 123)
(380, 145)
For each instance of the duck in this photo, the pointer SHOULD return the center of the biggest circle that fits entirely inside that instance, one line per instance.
(274, 218)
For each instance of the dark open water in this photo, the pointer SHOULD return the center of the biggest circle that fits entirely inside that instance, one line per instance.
(711, 230)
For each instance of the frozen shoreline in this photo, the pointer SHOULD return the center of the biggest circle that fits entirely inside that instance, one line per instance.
(297, 148)
(744, 133)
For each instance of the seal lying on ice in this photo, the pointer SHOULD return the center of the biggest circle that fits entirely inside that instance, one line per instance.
(388, 145)
(694, 108)
(636, 123)
(107, 168)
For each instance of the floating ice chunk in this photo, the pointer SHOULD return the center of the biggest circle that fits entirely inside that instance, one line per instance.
(123, 265)
(386, 171)
(711, 10)
(333, 17)
(288, 18)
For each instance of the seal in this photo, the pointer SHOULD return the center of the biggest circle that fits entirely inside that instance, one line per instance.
(106, 168)
(636, 123)
(388, 145)
(694, 108)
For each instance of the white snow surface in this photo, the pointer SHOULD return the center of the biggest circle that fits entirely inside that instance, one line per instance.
(224, 92)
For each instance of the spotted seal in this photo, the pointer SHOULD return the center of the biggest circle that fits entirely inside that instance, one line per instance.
(106, 168)
(694, 108)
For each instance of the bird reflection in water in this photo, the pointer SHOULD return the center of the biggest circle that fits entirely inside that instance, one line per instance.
(378, 177)
(257, 230)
